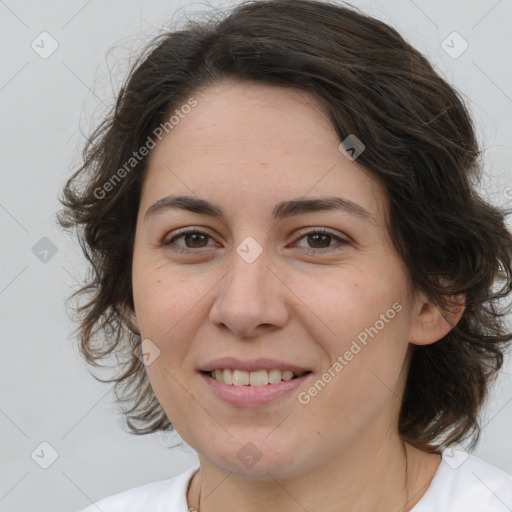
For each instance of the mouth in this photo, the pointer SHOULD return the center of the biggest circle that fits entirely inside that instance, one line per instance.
(258, 388)
(258, 378)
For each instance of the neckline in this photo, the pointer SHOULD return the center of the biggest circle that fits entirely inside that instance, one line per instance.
(439, 476)
(193, 471)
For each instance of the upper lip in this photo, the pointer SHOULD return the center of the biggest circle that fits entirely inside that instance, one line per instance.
(251, 365)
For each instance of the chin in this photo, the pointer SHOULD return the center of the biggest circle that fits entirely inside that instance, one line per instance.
(256, 457)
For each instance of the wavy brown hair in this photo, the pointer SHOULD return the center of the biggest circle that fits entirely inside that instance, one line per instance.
(420, 144)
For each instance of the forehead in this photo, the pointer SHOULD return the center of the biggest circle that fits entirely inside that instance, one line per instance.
(260, 142)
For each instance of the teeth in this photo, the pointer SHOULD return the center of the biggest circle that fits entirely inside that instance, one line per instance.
(227, 376)
(258, 378)
(240, 378)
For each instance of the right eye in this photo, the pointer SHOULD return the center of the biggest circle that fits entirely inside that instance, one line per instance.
(191, 236)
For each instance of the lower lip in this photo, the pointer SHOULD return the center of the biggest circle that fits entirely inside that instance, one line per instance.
(253, 396)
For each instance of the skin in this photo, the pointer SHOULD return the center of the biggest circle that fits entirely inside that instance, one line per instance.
(246, 147)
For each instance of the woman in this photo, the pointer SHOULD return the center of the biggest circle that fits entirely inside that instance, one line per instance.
(294, 269)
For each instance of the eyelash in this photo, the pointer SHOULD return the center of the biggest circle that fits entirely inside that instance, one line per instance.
(183, 250)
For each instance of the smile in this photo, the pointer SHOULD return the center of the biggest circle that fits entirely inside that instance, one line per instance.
(256, 378)
(248, 389)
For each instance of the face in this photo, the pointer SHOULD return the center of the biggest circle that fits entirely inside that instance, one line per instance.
(310, 288)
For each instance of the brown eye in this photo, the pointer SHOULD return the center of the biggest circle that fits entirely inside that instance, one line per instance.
(319, 238)
(193, 239)
(320, 241)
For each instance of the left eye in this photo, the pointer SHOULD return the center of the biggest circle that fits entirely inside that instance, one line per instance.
(320, 237)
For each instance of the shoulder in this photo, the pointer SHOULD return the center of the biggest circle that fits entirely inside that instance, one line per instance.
(464, 482)
(160, 496)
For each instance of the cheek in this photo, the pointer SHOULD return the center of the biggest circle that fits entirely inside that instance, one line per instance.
(361, 325)
(369, 330)
(348, 301)
(168, 387)
(162, 298)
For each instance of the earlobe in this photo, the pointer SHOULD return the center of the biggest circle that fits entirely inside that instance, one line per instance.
(433, 322)
(132, 322)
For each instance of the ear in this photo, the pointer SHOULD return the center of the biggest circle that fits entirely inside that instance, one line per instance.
(431, 322)
(132, 321)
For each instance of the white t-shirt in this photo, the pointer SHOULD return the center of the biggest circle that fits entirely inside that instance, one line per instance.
(462, 483)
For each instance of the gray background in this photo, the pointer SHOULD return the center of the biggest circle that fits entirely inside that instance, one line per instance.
(47, 393)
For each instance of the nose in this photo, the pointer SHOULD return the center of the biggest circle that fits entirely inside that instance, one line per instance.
(251, 298)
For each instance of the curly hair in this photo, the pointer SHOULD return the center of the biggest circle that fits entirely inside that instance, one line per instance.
(420, 144)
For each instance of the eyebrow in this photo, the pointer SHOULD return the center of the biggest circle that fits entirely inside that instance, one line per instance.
(282, 210)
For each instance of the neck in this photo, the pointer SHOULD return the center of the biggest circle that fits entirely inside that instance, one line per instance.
(376, 479)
